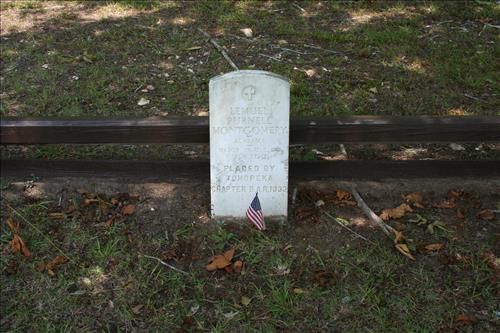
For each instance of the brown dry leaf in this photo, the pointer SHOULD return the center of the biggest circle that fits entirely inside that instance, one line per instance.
(238, 265)
(395, 213)
(71, 209)
(403, 248)
(54, 263)
(56, 216)
(87, 202)
(434, 247)
(128, 209)
(464, 319)
(245, 300)
(416, 199)
(343, 195)
(114, 201)
(398, 236)
(492, 261)
(460, 214)
(109, 222)
(298, 291)
(137, 309)
(446, 204)
(13, 225)
(221, 262)
(18, 245)
(486, 214)
(229, 254)
(41, 266)
(325, 278)
(454, 194)
(217, 262)
(51, 266)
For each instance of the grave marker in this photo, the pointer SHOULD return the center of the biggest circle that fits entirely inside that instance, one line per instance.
(249, 135)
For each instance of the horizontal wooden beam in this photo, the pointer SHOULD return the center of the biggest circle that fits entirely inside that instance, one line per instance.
(183, 130)
(158, 171)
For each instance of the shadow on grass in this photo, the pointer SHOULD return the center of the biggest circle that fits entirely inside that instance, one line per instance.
(99, 58)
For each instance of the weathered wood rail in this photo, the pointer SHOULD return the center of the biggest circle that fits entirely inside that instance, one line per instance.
(195, 130)
(362, 129)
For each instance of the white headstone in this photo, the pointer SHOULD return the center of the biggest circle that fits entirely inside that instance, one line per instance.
(249, 132)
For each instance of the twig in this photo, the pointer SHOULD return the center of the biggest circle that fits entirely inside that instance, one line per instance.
(37, 230)
(473, 97)
(300, 8)
(270, 57)
(165, 264)
(387, 229)
(242, 38)
(345, 227)
(220, 49)
(339, 222)
(289, 50)
(320, 48)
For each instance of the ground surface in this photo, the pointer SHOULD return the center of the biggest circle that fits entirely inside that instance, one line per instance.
(308, 274)
(311, 273)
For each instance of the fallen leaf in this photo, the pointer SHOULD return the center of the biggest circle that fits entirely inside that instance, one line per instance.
(51, 266)
(114, 201)
(238, 265)
(245, 300)
(247, 32)
(229, 254)
(464, 319)
(298, 291)
(395, 213)
(18, 245)
(486, 214)
(492, 261)
(398, 236)
(373, 90)
(56, 216)
(137, 309)
(434, 247)
(13, 225)
(310, 72)
(460, 214)
(416, 199)
(128, 209)
(230, 315)
(220, 261)
(446, 204)
(109, 222)
(87, 202)
(325, 278)
(71, 209)
(41, 266)
(403, 248)
(343, 195)
(54, 263)
(143, 101)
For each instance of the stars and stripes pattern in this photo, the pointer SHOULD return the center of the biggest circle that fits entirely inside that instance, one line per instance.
(255, 215)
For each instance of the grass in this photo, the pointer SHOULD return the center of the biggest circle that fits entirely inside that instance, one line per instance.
(426, 55)
(109, 286)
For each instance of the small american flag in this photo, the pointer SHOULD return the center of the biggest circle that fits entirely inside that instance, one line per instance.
(254, 213)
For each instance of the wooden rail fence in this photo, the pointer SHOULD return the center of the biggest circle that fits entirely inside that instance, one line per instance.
(195, 130)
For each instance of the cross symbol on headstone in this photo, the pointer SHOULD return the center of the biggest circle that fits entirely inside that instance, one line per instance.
(249, 92)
